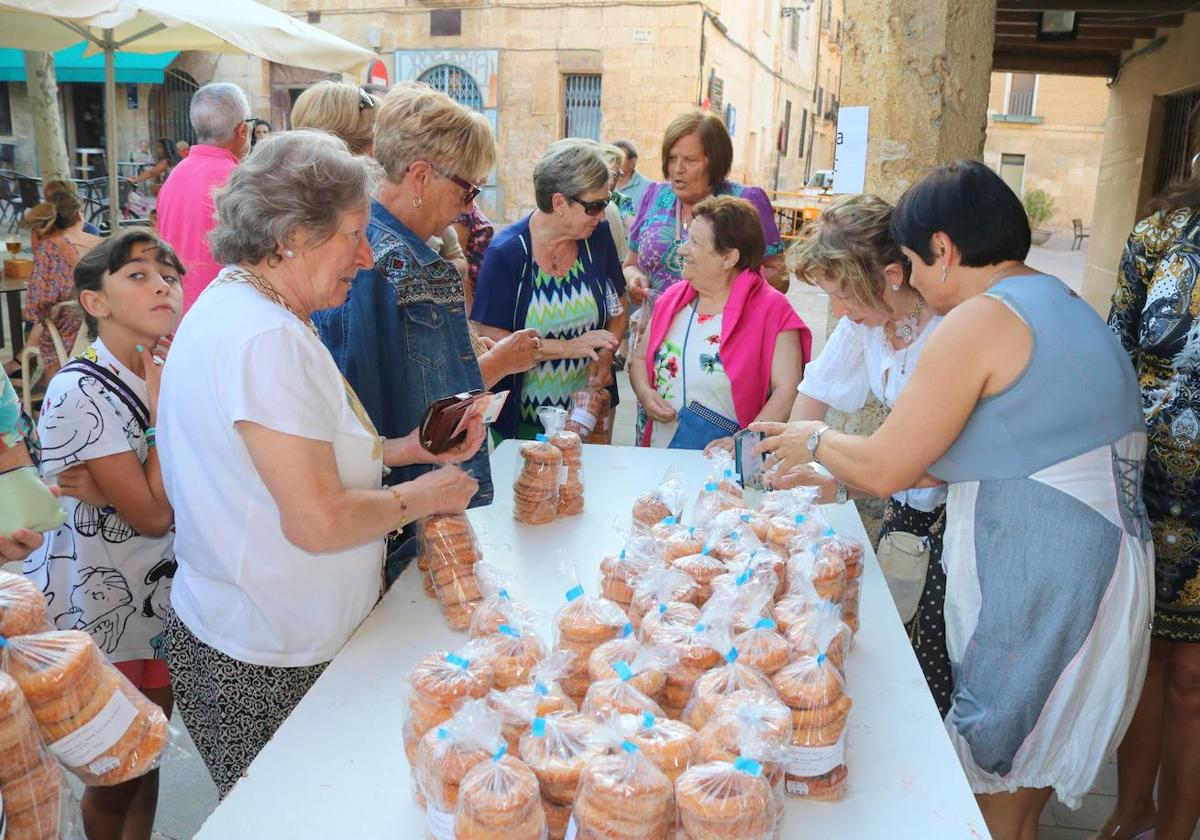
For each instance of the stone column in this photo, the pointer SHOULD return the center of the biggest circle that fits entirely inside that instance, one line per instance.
(923, 68)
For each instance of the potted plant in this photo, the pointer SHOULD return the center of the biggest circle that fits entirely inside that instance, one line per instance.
(1039, 207)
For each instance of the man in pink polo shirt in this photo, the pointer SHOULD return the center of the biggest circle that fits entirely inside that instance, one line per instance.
(221, 119)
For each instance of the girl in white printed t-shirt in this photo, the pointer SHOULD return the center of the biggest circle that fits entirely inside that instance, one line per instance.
(108, 569)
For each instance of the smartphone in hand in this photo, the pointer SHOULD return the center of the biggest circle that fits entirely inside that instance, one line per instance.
(748, 465)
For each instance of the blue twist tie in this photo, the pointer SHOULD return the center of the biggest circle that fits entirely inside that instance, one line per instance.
(829, 532)
(455, 659)
(742, 578)
(629, 746)
(623, 670)
(732, 656)
(542, 439)
(799, 518)
(647, 720)
(3, 642)
(539, 727)
(504, 594)
(710, 487)
(765, 624)
(700, 627)
(443, 733)
(621, 556)
(691, 530)
(627, 630)
(574, 592)
(509, 631)
(662, 608)
(669, 520)
(748, 766)
(704, 551)
(821, 658)
(540, 689)
(745, 517)
(499, 754)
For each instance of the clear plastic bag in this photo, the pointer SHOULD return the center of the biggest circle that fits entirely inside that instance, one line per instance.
(619, 572)
(696, 652)
(93, 720)
(814, 689)
(821, 630)
(703, 568)
(589, 417)
(656, 591)
(500, 798)
(556, 749)
(35, 800)
(757, 639)
(539, 475)
(738, 713)
(583, 623)
(675, 541)
(22, 606)
(827, 571)
(672, 745)
(498, 606)
(834, 547)
(570, 444)
(518, 706)
(720, 800)
(632, 686)
(720, 491)
(450, 551)
(512, 652)
(439, 684)
(663, 502)
(715, 685)
(445, 755)
(622, 793)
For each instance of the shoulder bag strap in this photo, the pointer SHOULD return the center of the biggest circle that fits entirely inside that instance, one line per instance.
(141, 414)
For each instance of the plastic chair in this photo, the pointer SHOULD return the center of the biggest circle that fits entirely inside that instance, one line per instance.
(1081, 233)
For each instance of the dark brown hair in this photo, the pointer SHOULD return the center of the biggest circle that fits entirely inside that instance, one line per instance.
(59, 211)
(735, 224)
(1177, 196)
(110, 255)
(714, 138)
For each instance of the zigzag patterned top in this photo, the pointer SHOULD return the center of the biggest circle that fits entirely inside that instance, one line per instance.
(562, 308)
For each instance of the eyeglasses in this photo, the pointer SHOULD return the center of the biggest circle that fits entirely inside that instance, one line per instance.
(592, 208)
(470, 191)
(365, 100)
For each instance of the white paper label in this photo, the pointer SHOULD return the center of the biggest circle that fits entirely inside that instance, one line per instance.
(795, 788)
(572, 829)
(817, 761)
(441, 823)
(562, 475)
(584, 418)
(98, 734)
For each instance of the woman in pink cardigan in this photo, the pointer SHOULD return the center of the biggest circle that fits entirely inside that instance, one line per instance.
(724, 348)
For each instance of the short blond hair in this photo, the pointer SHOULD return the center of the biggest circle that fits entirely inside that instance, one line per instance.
(416, 122)
(849, 244)
(338, 108)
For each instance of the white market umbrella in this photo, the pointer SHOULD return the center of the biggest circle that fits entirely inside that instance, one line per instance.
(155, 26)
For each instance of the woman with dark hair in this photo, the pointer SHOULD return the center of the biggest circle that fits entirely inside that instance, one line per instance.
(262, 130)
(166, 157)
(1025, 404)
(1154, 315)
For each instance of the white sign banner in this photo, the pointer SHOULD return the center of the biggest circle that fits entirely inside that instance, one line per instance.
(850, 155)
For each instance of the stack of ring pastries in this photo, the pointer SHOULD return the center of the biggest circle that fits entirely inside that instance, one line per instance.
(717, 684)
(820, 631)
(22, 607)
(657, 587)
(850, 552)
(589, 415)
(439, 684)
(116, 733)
(827, 572)
(439, 769)
(31, 782)
(702, 568)
(742, 712)
(763, 647)
(582, 625)
(535, 489)
(450, 552)
(623, 795)
(672, 745)
(695, 655)
(512, 654)
(498, 799)
(720, 801)
(814, 690)
(649, 509)
(619, 574)
(556, 749)
(521, 705)
(678, 613)
(601, 666)
(570, 492)
(675, 541)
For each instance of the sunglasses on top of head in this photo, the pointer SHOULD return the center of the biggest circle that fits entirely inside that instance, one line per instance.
(365, 100)
(592, 208)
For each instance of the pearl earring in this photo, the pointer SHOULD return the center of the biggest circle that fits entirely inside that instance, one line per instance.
(895, 287)
(289, 253)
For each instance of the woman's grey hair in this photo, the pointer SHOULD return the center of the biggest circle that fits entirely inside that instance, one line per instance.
(571, 167)
(296, 182)
(216, 111)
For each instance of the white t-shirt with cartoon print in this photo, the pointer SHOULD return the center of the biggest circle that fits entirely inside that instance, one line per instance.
(97, 573)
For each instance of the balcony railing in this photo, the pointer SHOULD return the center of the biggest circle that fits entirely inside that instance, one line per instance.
(1020, 104)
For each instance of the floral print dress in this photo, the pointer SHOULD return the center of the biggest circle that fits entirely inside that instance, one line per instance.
(687, 368)
(53, 281)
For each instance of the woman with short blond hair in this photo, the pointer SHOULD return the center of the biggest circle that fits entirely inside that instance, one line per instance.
(339, 108)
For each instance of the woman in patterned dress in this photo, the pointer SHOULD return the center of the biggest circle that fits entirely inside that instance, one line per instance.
(1154, 314)
(556, 271)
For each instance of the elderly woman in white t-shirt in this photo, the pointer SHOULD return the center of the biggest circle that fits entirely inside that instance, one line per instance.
(849, 253)
(273, 468)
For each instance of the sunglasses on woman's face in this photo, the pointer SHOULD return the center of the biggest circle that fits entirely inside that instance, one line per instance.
(592, 208)
(470, 191)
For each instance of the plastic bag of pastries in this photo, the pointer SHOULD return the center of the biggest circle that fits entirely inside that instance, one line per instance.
(758, 641)
(438, 685)
(792, 513)
(716, 684)
(619, 572)
(696, 652)
(583, 623)
(569, 443)
(518, 706)
(674, 540)
(663, 502)
(22, 606)
(631, 685)
(622, 793)
(512, 652)
(497, 606)
(444, 756)
(732, 537)
(656, 592)
(800, 600)
(720, 491)
(94, 721)
(836, 547)
(821, 630)
(749, 589)
(826, 571)
(538, 476)
(703, 568)
(741, 712)
(672, 745)
(719, 800)
(32, 785)
(816, 692)
(499, 799)
(450, 551)
(556, 750)
(589, 417)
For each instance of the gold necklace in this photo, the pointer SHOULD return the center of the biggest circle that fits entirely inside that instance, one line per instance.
(905, 329)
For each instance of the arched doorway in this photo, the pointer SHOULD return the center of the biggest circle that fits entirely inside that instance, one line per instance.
(170, 104)
(455, 83)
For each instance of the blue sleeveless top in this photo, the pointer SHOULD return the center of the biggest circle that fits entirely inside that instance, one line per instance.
(1078, 391)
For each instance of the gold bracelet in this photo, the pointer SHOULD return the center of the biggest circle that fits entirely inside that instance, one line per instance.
(404, 517)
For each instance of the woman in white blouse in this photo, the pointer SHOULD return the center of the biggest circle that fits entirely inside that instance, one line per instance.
(849, 253)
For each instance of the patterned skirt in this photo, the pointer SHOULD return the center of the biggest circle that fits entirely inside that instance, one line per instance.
(927, 630)
(231, 708)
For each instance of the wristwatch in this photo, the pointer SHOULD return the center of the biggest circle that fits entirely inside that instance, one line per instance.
(814, 441)
(843, 493)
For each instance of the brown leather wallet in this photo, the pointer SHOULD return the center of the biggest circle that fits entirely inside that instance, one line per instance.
(441, 420)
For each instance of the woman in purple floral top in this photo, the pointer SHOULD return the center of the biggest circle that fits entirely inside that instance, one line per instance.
(475, 232)
(697, 155)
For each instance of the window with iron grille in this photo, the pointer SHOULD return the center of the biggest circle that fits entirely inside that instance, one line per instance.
(1021, 87)
(5, 110)
(456, 83)
(785, 130)
(803, 133)
(581, 106)
(794, 32)
(171, 105)
(1180, 140)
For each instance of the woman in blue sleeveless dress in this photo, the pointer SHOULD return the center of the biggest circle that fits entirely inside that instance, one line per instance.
(1024, 403)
